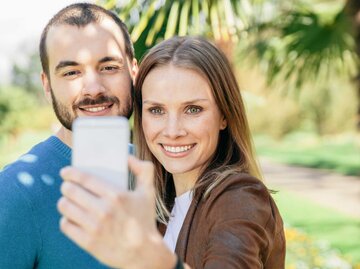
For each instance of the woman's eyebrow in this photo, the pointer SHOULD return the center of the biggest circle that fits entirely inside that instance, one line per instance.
(151, 102)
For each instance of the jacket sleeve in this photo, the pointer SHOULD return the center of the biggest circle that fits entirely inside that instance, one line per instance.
(19, 236)
(241, 227)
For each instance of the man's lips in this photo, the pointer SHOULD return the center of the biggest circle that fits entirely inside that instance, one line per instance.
(95, 108)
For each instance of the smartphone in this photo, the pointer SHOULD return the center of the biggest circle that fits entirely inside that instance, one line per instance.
(101, 148)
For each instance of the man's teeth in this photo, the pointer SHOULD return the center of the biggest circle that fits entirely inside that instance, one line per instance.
(95, 109)
(177, 149)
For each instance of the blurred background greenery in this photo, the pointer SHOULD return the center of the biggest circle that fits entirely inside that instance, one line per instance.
(297, 63)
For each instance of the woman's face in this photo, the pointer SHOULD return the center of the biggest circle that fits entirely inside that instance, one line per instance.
(180, 119)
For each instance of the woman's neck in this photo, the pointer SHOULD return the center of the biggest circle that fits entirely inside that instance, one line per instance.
(185, 182)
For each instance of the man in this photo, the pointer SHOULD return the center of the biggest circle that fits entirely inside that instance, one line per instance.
(88, 68)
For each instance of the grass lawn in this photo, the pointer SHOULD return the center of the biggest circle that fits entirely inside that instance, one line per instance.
(11, 149)
(320, 223)
(340, 154)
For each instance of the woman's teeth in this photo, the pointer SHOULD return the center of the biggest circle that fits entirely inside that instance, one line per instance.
(177, 149)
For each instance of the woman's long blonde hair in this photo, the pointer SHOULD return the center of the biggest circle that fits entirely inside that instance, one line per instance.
(234, 153)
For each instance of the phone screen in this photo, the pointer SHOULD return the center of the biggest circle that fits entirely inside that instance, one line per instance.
(101, 146)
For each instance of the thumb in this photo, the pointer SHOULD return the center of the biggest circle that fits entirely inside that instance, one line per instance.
(143, 171)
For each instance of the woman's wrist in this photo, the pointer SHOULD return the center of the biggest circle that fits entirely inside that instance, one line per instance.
(179, 264)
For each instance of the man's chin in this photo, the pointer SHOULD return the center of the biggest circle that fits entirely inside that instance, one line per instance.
(66, 123)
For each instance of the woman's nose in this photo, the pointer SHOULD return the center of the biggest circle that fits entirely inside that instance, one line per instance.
(174, 127)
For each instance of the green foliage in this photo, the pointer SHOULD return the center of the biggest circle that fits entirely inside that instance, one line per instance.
(20, 111)
(153, 20)
(305, 44)
(26, 72)
(15, 104)
(272, 115)
(329, 109)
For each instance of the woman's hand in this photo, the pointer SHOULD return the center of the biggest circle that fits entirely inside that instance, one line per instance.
(117, 227)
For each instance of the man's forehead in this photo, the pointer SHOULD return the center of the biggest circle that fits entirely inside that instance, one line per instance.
(69, 40)
(90, 30)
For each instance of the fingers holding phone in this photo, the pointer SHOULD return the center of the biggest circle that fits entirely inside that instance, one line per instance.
(105, 220)
(99, 213)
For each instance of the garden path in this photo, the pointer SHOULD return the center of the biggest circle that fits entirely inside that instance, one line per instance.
(330, 189)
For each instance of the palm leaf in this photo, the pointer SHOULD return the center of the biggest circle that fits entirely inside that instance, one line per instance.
(304, 45)
(219, 19)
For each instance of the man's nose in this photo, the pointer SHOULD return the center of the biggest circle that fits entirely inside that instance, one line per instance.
(174, 127)
(92, 84)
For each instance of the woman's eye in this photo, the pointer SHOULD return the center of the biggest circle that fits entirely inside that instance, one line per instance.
(193, 110)
(156, 110)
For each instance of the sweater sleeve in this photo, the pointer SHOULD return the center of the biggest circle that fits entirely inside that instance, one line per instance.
(241, 227)
(19, 236)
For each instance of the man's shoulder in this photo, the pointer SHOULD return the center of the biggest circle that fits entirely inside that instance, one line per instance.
(44, 154)
(35, 173)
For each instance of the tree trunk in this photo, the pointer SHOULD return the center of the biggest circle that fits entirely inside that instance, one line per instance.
(352, 8)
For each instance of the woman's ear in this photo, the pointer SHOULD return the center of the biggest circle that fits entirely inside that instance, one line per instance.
(223, 123)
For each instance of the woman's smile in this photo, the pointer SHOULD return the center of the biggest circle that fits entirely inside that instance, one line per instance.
(177, 150)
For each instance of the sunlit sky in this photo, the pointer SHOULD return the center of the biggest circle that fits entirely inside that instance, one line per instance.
(21, 22)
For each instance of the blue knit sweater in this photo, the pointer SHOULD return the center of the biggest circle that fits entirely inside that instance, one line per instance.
(29, 220)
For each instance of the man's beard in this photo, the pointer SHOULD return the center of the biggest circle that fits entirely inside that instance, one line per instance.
(66, 118)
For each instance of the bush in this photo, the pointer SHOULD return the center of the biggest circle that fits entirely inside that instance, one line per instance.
(274, 115)
(331, 108)
(304, 253)
(15, 107)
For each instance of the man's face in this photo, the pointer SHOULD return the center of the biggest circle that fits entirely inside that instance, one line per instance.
(90, 74)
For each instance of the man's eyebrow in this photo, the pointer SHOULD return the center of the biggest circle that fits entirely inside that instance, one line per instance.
(111, 59)
(63, 64)
(152, 102)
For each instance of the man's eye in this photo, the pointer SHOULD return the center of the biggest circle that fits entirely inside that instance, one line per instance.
(193, 110)
(71, 73)
(156, 111)
(109, 68)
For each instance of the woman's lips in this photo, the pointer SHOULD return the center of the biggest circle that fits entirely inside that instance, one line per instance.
(177, 150)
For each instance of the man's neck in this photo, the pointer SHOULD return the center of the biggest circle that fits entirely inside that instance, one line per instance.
(65, 136)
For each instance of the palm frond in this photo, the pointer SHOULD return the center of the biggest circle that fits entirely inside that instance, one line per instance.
(304, 45)
(217, 19)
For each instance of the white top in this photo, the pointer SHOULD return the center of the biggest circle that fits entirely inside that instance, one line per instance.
(178, 214)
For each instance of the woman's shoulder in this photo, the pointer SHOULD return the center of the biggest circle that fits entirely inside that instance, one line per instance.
(240, 183)
(239, 196)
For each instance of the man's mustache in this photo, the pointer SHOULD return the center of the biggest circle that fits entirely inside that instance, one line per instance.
(97, 101)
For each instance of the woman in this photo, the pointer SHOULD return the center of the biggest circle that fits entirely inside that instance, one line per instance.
(190, 123)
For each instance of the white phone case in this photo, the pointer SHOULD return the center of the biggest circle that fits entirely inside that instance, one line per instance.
(101, 147)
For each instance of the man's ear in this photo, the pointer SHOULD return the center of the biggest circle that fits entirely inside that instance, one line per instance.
(134, 69)
(46, 86)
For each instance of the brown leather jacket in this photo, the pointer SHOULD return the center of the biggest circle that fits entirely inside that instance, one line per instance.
(237, 226)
